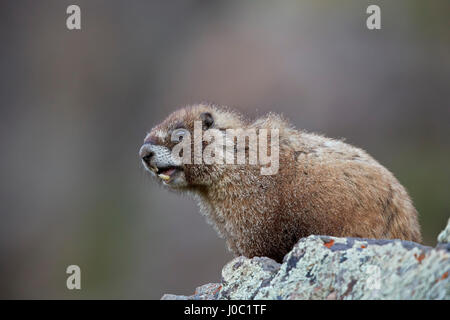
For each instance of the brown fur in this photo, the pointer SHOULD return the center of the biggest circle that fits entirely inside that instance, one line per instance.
(323, 186)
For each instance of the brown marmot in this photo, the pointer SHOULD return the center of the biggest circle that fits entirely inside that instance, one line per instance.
(323, 186)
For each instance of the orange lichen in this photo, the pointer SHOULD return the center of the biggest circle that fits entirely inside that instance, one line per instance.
(217, 290)
(419, 257)
(329, 244)
(443, 277)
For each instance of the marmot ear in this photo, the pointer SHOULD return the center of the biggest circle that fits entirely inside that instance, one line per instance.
(207, 120)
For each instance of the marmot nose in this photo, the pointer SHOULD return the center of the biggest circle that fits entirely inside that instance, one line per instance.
(147, 158)
(146, 155)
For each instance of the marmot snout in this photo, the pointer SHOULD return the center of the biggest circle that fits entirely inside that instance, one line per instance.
(322, 186)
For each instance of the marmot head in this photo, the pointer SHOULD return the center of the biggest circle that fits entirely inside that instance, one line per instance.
(161, 157)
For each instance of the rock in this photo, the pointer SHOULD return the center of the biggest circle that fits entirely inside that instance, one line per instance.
(208, 291)
(242, 278)
(444, 236)
(169, 296)
(323, 267)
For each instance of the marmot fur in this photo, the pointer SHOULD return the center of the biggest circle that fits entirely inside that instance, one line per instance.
(323, 186)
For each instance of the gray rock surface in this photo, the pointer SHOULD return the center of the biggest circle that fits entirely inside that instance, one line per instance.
(323, 267)
(444, 236)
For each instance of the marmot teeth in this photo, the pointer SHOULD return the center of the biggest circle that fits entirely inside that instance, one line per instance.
(164, 177)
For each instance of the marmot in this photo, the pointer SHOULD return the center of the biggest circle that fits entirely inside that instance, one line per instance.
(323, 186)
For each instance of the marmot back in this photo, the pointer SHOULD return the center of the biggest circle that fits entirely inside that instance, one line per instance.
(322, 186)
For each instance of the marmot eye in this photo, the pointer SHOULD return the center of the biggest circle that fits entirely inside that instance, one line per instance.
(178, 134)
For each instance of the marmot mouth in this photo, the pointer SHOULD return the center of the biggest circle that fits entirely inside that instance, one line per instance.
(166, 173)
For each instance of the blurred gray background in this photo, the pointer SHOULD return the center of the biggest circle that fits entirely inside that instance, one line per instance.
(75, 107)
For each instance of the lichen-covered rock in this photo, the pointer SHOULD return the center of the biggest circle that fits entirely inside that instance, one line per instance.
(242, 278)
(348, 268)
(209, 291)
(322, 267)
(444, 236)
